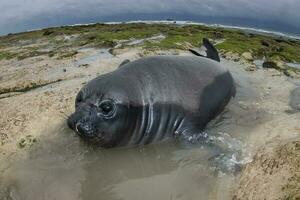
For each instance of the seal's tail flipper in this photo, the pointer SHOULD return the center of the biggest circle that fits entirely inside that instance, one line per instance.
(211, 51)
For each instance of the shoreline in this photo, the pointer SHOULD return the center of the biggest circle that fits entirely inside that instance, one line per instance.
(213, 25)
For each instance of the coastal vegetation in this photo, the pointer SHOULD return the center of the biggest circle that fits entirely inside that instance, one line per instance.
(61, 41)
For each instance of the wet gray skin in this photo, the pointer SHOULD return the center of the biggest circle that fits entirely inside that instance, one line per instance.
(152, 99)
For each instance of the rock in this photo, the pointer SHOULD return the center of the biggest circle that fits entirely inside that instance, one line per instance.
(247, 56)
(108, 43)
(111, 51)
(261, 53)
(48, 32)
(51, 53)
(92, 37)
(222, 53)
(280, 64)
(265, 43)
(291, 73)
(281, 67)
(218, 35)
(251, 67)
(277, 48)
(27, 141)
(279, 40)
(273, 173)
(232, 56)
(10, 94)
(84, 65)
(270, 64)
(118, 51)
(236, 58)
(250, 35)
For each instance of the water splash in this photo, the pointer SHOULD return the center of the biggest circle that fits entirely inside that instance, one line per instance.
(228, 154)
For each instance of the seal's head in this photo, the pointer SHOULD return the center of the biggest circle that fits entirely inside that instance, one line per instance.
(101, 115)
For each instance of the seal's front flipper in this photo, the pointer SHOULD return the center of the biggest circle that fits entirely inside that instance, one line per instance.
(124, 62)
(211, 51)
(187, 133)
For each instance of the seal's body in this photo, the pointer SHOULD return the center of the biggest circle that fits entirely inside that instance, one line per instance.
(152, 99)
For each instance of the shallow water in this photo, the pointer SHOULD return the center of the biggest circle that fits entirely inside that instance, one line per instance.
(155, 38)
(94, 55)
(295, 96)
(61, 166)
(259, 63)
(294, 65)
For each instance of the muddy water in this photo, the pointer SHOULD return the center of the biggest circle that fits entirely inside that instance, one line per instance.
(60, 166)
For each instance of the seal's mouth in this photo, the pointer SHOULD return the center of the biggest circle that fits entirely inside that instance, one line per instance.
(97, 139)
(83, 128)
(88, 132)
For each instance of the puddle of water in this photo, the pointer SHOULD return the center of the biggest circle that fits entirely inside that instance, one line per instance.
(66, 169)
(258, 63)
(62, 167)
(295, 99)
(94, 55)
(294, 65)
(134, 42)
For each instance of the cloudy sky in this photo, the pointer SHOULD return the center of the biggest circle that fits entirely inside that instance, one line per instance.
(22, 15)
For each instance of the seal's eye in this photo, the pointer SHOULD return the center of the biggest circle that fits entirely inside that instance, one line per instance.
(107, 108)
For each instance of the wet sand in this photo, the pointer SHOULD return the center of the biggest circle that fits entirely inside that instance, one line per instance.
(42, 159)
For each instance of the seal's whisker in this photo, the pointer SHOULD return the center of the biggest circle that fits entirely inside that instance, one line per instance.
(76, 127)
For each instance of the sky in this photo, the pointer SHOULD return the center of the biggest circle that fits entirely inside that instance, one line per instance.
(277, 15)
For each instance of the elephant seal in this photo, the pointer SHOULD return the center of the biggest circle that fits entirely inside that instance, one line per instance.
(153, 99)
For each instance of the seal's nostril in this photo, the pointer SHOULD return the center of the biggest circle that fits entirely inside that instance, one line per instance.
(84, 129)
(76, 127)
(80, 128)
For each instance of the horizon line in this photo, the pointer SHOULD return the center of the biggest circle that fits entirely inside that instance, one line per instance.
(178, 22)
